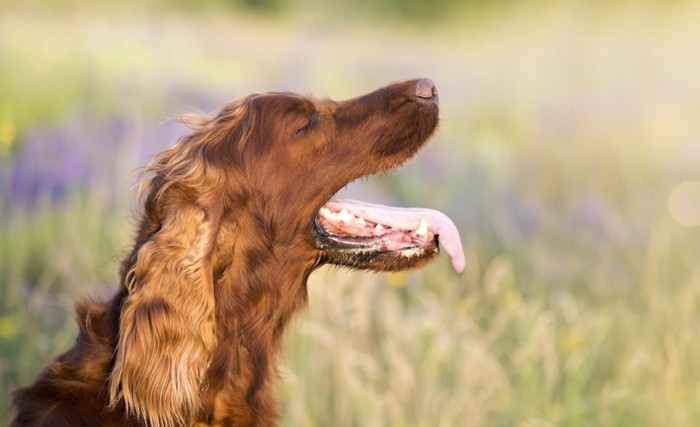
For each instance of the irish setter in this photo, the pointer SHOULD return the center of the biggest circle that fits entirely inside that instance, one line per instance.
(236, 216)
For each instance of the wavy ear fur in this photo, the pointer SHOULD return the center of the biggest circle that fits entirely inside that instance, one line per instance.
(167, 323)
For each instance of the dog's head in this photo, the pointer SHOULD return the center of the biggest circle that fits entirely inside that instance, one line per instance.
(286, 155)
(250, 186)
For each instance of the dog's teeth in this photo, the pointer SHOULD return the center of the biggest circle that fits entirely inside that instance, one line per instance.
(379, 227)
(361, 221)
(422, 229)
(325, 212)
(345, 216)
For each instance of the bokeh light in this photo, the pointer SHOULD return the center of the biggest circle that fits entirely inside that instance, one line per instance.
(684, 204)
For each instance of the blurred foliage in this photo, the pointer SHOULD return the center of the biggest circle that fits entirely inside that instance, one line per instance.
(565, 127)
(413, 12)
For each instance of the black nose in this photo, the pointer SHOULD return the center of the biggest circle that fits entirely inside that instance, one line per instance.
(425, 88)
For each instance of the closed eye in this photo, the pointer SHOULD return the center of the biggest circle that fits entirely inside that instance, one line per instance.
(312, 120)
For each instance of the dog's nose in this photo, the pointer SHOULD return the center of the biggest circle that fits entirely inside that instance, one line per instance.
(425, 88)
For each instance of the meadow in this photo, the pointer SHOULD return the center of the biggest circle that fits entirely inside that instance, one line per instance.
(568, 130)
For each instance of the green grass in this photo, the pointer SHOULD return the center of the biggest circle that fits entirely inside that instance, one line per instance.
(479, 352)
(564, 130)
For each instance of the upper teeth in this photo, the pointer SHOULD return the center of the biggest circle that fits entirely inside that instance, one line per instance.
(422, 229)
(325, 212)
(346, 217)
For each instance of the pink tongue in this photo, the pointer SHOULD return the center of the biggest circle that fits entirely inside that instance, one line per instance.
(408, 219)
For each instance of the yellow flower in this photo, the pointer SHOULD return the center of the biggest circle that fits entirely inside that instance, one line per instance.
(397, 279)
(8, 327)
(7, 136)
(512, 299)
(572, 341)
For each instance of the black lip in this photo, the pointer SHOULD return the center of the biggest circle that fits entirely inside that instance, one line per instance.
(330, 241)
(367, 253)
(327, 241)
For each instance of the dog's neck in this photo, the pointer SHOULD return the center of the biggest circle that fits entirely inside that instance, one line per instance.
(259, 281)
(259, 284)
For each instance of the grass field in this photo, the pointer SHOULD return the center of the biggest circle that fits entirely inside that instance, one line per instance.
(568, 131)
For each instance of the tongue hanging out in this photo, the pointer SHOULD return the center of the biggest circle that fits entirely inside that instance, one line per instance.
(362, 226)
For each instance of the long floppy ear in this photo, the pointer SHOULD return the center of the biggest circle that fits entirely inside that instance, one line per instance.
(167, 324)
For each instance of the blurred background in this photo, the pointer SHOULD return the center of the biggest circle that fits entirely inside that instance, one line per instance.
(568, 155)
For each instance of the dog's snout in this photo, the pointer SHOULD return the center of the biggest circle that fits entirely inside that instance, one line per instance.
(425, 89)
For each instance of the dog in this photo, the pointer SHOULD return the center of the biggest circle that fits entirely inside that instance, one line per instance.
(236, 216)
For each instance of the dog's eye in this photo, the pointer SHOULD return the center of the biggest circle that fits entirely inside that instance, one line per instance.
(312, 120)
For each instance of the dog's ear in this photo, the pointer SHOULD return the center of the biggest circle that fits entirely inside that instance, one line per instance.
(167, 326)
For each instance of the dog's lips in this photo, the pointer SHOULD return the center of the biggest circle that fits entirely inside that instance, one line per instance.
(355, 225)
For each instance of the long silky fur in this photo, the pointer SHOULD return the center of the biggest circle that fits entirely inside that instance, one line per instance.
(220, 262)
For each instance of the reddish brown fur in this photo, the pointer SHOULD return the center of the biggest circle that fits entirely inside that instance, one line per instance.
(220, 263)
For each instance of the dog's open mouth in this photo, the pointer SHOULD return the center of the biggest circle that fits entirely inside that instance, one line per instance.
(363, 234)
